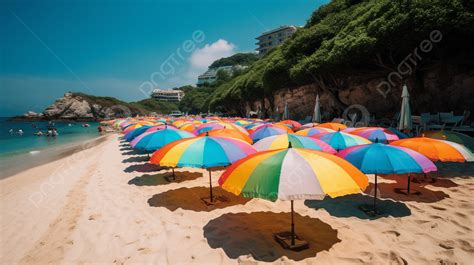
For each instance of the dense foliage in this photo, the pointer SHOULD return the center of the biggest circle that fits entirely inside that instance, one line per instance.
(236, 59)
(347, 36)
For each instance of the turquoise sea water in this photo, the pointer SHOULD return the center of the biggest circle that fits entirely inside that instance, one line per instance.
(15, 148)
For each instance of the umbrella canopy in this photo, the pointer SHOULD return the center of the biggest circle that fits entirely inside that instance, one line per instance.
(281, 141)
(452, 136)
(293, 124)
(218, 126)
(379, 158)
(405, 123)
(376, 134)
(154, 140)
(317, 111)
(314, 131)
(340, 140)
(228, 133)
(308, 125)
(437, 150)
(202, 152)
(386, 159)
(136, 132)
(333, 125)
(293, 173)
(268, 130)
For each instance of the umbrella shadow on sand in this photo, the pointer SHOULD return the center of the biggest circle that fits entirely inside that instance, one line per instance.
(348, 206)
(397, 192)
(191, 199)
(133, 152)
(143, 168)
(164, 178)
(421, 180)
(126, 148)
(136, 159)
(252, 234)
(451, 170)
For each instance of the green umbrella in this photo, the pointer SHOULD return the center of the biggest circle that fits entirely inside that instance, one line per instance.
(452, 136)
(405, 123)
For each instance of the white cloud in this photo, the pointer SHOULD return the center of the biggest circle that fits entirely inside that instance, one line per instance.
(201, 58)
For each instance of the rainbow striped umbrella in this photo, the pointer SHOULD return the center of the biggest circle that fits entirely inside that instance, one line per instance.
(339, 140)
(202, 152)
(218, 126)
(291, 123)
(292, 173)
(281, 141)
(333, 125)
(229, 133)
(452, 136)
(376, 134)
(379, 158)
(314, 131)
(267, 130)
(154, 140)
(309, 125)
(437, 150)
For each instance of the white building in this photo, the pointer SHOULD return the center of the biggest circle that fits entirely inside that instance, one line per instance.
(273, 38)
(210, 76)
(167, 94)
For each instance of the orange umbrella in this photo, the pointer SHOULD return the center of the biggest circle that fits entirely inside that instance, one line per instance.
(437, 150)
(293, 124)
(228, 133)
(333, 125)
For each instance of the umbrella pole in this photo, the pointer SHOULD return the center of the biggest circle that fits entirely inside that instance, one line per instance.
(375, 194)
(174, 176)
(408, 187)
(292, 225)
(210, 184)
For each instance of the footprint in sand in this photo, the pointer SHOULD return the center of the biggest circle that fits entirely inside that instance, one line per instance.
(391, 232)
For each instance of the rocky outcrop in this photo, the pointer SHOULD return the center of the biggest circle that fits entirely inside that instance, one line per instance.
(77, 107)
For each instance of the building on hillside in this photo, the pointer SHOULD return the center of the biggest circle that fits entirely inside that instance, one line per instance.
(273, 38)
(167, 94)
(210, 76)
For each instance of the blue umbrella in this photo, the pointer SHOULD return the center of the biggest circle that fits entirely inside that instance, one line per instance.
(136, 132)
(156, 139)
(379, 158)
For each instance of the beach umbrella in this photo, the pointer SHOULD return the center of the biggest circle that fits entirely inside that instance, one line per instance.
(340, 140)
(281, 141)
(294, 125)
(317, 111)
(160, 127)
(437, 150)
(292, 174)
(376, 133)
(400, 134)
(309, 125)
(135, 132)
(276, 116)
(405, 123)
(452, 136)
(379, 158)
(286, 113)
(268, 130)
(202, 152)
(314, 131)
(229, 133)
(154, 140)
(218, 126)
(332, 125)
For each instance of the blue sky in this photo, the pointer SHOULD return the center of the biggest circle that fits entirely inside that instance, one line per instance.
(122, 48)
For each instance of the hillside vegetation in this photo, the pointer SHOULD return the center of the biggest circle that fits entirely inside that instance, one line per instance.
(352, 37)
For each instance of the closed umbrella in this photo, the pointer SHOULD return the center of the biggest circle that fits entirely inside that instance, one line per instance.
(286, 113)
(317, 111)
(405, 123)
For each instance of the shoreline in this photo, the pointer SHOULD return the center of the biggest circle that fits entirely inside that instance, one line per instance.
(45, 156)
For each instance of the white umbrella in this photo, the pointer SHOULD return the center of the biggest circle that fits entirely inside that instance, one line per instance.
(405, 123)
(317, 111)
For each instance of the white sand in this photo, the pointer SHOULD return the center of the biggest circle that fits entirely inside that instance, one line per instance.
(81, 209)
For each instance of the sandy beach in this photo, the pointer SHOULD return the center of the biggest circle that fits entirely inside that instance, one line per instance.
(106, 205)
